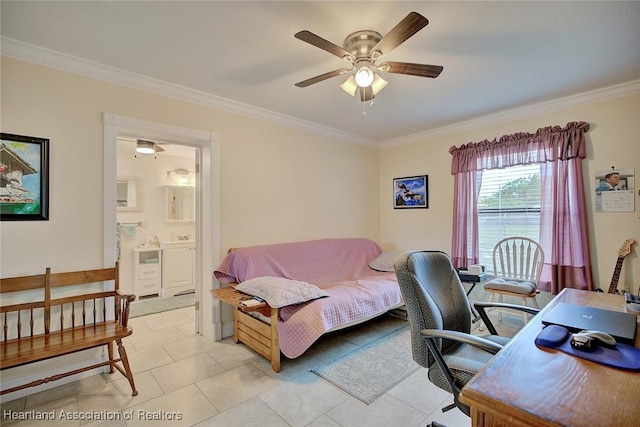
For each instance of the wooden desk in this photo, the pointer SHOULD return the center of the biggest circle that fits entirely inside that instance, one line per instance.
(524, 385)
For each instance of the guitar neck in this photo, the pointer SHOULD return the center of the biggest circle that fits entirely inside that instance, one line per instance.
(613, 287)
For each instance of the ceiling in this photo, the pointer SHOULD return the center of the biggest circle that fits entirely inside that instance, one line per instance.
(242, 56)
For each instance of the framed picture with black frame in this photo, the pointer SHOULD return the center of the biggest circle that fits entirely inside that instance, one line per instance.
(411, 192)
(24, 178)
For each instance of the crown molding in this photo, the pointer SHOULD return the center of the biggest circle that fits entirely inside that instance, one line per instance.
(38, 55)
(53, 59)
(527, 111)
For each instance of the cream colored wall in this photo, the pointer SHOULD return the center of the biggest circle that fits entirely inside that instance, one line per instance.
(281, 185)
(612, 140)
(278, 184)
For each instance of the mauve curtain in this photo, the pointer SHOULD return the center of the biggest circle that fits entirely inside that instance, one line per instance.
(563, 213)
(465, 247)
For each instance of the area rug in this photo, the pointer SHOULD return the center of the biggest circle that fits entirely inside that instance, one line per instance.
(154, 305)
(370, 371)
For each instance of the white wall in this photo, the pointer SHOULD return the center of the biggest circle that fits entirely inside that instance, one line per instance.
(612, 140)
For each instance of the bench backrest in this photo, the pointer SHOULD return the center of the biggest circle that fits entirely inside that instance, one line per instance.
(71, 307)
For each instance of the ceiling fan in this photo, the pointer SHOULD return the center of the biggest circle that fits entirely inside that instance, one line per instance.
(362, 49)
(148, 147)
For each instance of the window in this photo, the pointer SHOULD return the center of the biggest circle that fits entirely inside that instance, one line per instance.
(561, 210)
(508, 205)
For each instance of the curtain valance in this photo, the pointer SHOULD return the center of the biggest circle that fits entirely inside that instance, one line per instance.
(548, 144)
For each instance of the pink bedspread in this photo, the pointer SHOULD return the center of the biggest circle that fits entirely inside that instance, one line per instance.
(339, 266)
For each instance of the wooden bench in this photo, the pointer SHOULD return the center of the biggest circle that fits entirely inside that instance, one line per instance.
(36, 326)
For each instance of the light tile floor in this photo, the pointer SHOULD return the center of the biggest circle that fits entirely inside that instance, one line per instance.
(190, 381)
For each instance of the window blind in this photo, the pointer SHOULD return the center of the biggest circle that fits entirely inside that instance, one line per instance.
(508, 205)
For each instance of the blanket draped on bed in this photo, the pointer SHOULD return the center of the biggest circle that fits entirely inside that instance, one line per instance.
(339, 266)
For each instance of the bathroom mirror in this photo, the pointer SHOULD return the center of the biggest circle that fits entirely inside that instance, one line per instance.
(129, 193)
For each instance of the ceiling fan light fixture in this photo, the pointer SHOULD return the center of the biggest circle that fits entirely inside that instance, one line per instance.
(350, 86)
(378, 84)
(145, 147)
(364, 76)
(362, 50)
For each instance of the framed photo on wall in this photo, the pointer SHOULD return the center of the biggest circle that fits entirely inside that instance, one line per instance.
(24, 178)
(411, 192)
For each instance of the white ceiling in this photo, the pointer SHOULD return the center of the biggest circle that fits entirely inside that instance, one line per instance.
(241, 55)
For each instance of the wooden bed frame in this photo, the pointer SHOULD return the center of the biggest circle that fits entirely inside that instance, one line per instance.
(255, 334)
(259, 335)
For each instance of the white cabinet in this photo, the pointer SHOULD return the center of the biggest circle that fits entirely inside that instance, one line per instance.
(178, 267)
(180, 204)
(147, 268)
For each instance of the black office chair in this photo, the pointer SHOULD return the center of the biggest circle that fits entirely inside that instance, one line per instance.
(440, 320)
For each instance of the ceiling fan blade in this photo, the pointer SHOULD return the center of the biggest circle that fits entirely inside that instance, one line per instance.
(317, 41)
(322, 77)
(410, 25)
(420, 70)
(158, 148)
(366, 93)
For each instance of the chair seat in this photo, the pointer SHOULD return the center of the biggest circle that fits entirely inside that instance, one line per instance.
(520, 287)
(464, 362)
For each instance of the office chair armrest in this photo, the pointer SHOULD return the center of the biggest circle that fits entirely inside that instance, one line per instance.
(432, 335)
(479, 342)
(482, 306)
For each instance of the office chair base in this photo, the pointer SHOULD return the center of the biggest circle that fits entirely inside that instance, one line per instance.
(449, 407)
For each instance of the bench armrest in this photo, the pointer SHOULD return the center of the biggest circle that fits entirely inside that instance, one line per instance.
(123, 304)
(128, 297)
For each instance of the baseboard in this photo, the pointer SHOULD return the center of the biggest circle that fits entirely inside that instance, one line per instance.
(227, 330)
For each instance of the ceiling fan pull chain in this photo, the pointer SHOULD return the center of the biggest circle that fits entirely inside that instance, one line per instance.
(364, 109)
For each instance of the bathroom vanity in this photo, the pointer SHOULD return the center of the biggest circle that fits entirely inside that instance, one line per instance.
(178, 267)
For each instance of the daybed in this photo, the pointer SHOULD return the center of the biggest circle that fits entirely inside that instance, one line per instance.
(336, 276)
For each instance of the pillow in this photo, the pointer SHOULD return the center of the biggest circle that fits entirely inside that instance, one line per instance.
(278, 291)
(385, 261)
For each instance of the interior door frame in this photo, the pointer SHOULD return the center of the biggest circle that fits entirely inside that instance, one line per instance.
(207, 144)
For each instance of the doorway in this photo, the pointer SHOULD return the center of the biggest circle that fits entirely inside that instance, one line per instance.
(156, 226)
(207, 224)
